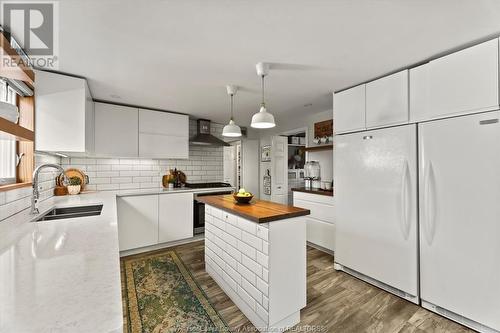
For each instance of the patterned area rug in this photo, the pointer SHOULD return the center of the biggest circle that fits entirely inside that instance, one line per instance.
(160, 295)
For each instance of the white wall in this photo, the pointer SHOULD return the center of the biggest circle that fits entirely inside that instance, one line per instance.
(325, 158)
(285, 124)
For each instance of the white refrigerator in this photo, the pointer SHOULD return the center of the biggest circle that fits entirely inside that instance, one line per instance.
(459, 174)
(375, 177)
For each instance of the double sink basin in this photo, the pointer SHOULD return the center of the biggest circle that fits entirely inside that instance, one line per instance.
(69, 212)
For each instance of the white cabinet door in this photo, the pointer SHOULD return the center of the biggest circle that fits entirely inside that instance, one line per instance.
(176, 217)
(166, 123)
(163, 146)
(321, 233)
(116, 131)
(230, 165)
(349, 110)
(376, 205)
(319, 211)
(463, 82)
(279, 169)
(459, 215)
(249, 151)
(387, 100)
(62, 113)
(137, 221)
(163, 134)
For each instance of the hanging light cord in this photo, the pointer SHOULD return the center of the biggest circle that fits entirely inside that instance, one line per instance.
(232, 106)
(263, 103)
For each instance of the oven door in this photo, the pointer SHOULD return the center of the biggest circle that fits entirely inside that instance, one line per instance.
(199, 210)
(199, 217)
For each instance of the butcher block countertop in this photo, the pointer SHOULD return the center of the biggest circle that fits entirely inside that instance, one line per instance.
(259, 211)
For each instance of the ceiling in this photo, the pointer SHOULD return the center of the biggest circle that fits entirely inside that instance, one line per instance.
(179, 55)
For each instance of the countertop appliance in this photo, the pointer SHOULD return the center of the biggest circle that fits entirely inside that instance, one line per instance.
(312, 175)
(199, 207)
(376, 208)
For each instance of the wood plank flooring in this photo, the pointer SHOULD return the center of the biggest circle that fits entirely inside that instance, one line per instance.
(336, 302)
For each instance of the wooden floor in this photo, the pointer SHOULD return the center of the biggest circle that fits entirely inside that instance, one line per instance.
(336, 302)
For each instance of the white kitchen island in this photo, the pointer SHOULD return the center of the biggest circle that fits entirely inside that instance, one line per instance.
(257, 254)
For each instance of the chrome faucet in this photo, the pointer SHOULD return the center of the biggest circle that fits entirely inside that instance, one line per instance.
(36, 188)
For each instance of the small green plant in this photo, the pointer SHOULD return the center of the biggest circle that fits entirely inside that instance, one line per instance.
(75, 181)
(171, 181)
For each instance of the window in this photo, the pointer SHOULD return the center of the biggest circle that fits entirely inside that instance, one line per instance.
(8, 154)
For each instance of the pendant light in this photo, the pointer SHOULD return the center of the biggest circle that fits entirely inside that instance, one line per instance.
(262, 119)
(231, 129)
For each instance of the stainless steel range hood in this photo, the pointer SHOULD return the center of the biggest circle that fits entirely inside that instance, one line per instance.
(203, 136)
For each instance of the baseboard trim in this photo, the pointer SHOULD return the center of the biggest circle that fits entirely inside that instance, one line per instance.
(161, 246)
(321, 248)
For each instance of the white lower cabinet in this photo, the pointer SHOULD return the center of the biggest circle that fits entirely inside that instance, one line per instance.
(137, 221)
(321, 233)
(176, 217)
(145, 220)
(320, 224)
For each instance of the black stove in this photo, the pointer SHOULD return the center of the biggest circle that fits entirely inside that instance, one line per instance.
(207, 185)
(199, 207)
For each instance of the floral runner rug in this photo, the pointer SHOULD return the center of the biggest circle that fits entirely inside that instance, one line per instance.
(160, 295)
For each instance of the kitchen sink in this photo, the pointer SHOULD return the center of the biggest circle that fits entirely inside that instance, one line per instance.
(70, 212)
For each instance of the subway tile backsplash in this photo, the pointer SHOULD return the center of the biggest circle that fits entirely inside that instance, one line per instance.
(14, 201)
(110, 174)
(204, 165)
(107, 174)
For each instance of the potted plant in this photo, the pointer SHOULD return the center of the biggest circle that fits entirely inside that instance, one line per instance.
(74, 185)
(171, 183)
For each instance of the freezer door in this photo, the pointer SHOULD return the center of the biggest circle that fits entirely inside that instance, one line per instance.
(375, 204)
(459, 172)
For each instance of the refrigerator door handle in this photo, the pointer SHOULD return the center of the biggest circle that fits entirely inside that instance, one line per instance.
(406, 200)
(429, 207)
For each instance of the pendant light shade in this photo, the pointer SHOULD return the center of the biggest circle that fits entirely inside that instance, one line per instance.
(231, 130)
(262, 119)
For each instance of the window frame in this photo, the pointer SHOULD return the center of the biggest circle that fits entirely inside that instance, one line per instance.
(9, 95)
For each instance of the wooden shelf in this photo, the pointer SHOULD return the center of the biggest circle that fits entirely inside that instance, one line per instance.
(19, 132)
(14, 68)
(319, 148)
(13, 186)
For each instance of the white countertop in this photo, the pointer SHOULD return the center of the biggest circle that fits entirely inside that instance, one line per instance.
(162, 190)
(61, 275)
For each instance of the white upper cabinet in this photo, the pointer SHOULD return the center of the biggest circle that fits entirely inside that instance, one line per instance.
(116, 131)
(163, 134)
(349, 110)
(387, 100)
(165, 123)
(63, 114)
(463, 82)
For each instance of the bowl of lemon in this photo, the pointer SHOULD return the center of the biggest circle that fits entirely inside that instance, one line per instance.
(242, 196)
